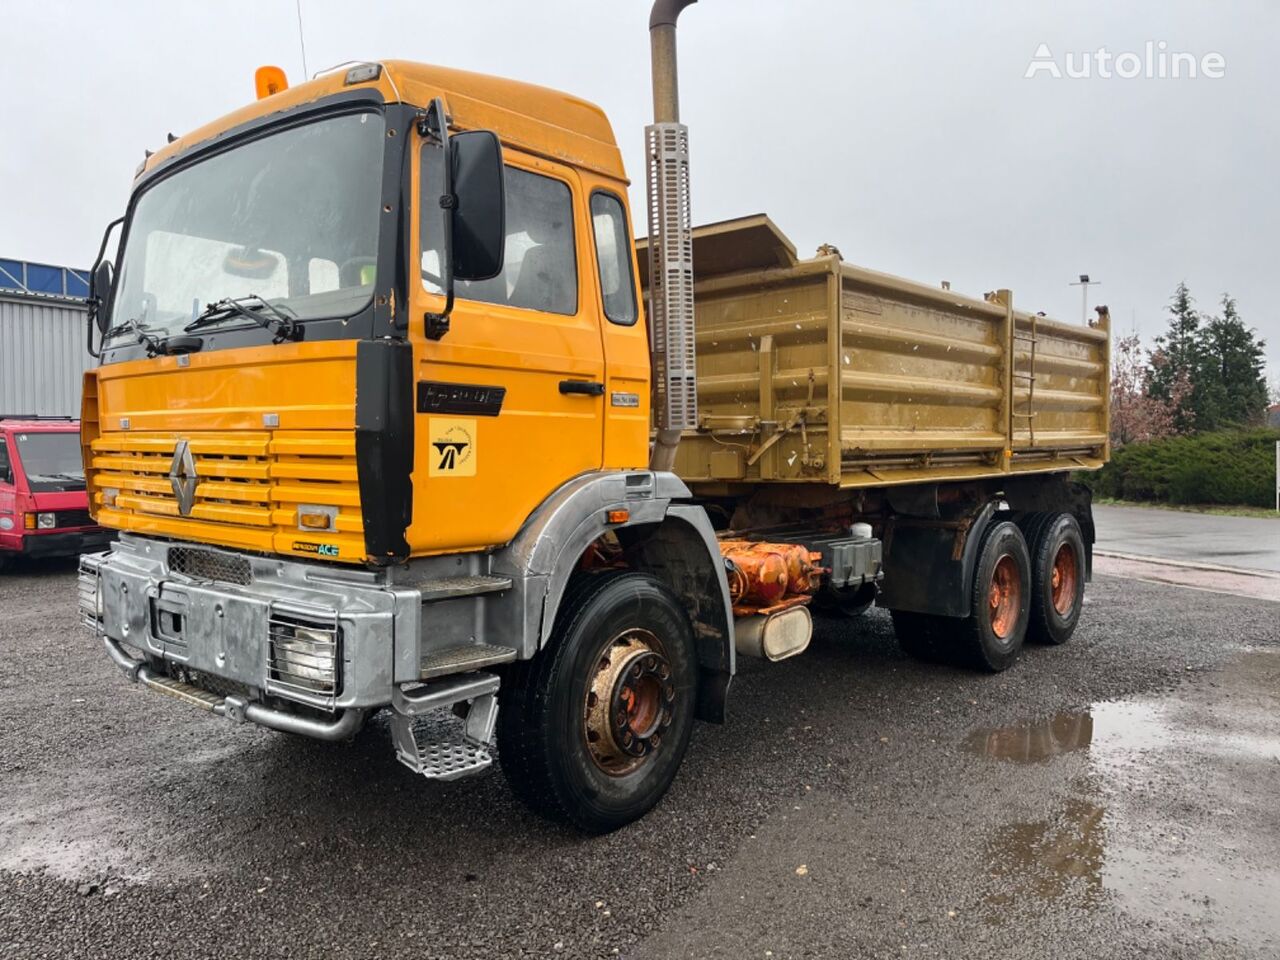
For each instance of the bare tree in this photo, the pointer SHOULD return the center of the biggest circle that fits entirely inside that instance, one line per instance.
(1136, 414)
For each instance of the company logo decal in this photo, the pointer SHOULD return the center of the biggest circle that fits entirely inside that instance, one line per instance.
(452, 445)
(319, 549)
(183, 477)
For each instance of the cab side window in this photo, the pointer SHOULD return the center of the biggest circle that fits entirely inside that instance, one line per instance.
(613, 253)
(539, 269)
(6, 471)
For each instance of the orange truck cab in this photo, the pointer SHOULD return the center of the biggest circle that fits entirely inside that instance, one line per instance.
(44, 511)
(374, 390)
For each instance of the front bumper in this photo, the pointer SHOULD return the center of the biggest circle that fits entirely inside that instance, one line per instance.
(69, 544)
(231, 648)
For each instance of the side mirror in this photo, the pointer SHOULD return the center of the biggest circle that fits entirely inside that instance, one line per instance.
(99, 291)
(479, 229)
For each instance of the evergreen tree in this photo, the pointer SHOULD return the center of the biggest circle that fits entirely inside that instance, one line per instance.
(1231, 386)
(1176, 360)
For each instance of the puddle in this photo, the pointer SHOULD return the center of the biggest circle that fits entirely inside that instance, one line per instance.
(1169, 810)
(1035, 742)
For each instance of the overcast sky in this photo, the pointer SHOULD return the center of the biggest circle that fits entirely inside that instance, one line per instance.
(904, 133)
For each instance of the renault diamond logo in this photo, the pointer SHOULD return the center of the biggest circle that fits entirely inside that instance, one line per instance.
(183, 477)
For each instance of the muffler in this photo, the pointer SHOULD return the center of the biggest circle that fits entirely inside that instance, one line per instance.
(774, 636)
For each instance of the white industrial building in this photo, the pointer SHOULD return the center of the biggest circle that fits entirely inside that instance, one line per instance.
(43, 354)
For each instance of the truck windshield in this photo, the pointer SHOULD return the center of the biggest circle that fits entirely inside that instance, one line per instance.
(51, 461)
(291, 217)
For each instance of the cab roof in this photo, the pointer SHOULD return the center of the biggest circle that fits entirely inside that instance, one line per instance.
(539, 120)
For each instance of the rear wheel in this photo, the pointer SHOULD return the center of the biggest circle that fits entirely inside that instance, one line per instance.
(1057, 575)
(999, 608)
(593, 729)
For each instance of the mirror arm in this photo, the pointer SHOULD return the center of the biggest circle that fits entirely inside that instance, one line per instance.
(437, 324)
(96, 301)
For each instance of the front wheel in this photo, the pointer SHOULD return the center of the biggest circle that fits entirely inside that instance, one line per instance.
(593, 729)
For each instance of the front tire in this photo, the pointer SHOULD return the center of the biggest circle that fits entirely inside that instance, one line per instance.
(592, 730)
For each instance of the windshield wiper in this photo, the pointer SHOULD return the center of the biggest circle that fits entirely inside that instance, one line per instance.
(252, 307)
(145, 335)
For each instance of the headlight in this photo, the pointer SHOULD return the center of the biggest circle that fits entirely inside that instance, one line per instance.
(46, 521)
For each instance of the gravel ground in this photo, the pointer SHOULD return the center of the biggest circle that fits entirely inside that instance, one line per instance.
(1112, 797)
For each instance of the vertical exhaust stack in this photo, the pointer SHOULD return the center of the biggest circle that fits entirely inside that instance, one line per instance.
(670, 245)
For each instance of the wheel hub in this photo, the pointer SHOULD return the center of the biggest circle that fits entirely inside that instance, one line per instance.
(1004, 597)
(1063, 580)
(629, 702)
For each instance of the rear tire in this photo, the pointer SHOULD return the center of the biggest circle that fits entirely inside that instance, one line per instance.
(1056, 547)
(991, 636)
(592, 730)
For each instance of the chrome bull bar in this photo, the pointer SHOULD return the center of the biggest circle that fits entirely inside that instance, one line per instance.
(342, 727)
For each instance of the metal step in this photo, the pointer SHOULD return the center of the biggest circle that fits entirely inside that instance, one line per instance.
(463, 658)
(450, 588)
(431, 741)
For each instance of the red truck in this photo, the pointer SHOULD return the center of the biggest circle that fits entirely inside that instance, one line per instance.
(44, 510)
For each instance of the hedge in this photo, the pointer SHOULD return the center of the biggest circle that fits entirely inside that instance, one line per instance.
(1232, 467)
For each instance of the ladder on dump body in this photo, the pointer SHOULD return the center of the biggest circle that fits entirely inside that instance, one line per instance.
(1029, 377)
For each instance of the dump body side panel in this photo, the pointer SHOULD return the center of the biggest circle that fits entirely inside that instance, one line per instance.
(818, 371)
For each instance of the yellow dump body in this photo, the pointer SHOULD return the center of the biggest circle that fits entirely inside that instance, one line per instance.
(819, 371)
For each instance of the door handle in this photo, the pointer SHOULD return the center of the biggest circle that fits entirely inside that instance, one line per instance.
(588, 388)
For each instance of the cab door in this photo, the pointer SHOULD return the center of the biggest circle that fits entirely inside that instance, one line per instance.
(510, 400)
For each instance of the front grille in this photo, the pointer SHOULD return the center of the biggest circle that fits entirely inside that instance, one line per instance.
(72, 518)
(249, 482)
(304, 654)
(210, 565)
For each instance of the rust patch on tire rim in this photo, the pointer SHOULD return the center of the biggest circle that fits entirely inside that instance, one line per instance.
(1005, 597)
(629, 703)
(1063, 579)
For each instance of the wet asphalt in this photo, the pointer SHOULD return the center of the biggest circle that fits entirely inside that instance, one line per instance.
(1200, 538)
(1115, 797)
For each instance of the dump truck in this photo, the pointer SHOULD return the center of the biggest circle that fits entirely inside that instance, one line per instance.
(385, 431)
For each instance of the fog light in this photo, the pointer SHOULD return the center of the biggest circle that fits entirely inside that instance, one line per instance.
(303, 659)
(90, 593)
(46, 521)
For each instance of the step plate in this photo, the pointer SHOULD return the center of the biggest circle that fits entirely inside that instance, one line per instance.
(464, 658)
(437, 748)
(450, 761)
(449, 588)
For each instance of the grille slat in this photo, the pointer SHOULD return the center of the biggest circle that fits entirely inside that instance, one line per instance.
(254, 481)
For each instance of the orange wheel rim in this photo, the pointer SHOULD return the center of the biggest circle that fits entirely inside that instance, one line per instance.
(1063, 579)
(1005, 597)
